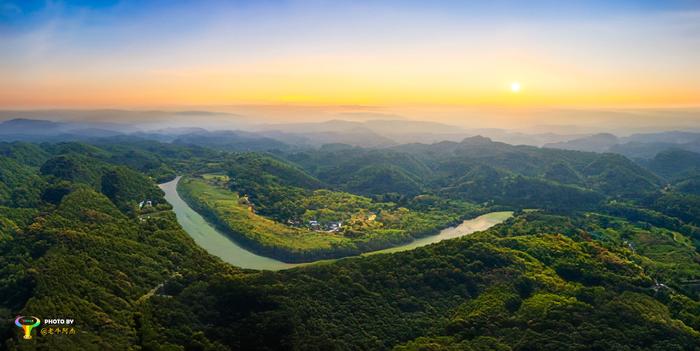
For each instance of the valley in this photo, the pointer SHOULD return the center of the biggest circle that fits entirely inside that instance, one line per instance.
(611, 254)
(223, 246)
(349, 175)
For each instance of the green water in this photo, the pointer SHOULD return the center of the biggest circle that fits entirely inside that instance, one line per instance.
(214, 241)
(221, 245)
(469, 226)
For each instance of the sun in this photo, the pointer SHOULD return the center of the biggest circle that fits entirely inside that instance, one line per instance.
(515, 87)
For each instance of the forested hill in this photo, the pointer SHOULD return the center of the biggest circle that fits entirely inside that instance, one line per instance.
(609, 259)
(390, 196)
(75, 243)
(478, 169)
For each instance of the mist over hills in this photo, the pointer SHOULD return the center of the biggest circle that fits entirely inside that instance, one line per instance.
(608, 234)
(636, 146)
(234, 132)
(131, 120)
(673, 155)
(597, 143)
(349, 175)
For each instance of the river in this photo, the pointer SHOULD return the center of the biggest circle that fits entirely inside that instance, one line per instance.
(221, 245)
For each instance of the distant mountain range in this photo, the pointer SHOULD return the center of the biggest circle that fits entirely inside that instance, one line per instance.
(636, 146)
(373, 133)
(596, 143)
(369, 129)
(34, 130)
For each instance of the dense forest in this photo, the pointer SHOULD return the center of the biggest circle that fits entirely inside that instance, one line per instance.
(413, 190)
(602, 253)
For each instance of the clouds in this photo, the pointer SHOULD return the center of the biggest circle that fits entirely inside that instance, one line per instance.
(366, 52)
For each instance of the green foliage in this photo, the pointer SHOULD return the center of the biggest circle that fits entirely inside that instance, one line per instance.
(24, 153)
(487, 185)
(228, 212)
(690, 185)
(73, 168)
(19, 185)
(675, 164)
(686, 207)
(382, 179)
(562, 173)
(126, 188)
(275, 187)
(147, 157)
(363, 171)
(615, 175)
(366, 225)
(89, 261)
(492, 290)
(622, 275)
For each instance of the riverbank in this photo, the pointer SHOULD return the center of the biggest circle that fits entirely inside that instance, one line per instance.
(221, 244)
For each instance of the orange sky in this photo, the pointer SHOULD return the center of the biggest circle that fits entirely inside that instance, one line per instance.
(349, 54)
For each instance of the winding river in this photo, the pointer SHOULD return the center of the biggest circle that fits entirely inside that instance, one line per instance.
(221, 245)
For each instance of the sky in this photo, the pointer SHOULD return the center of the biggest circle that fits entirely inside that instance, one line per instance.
(404, 54)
